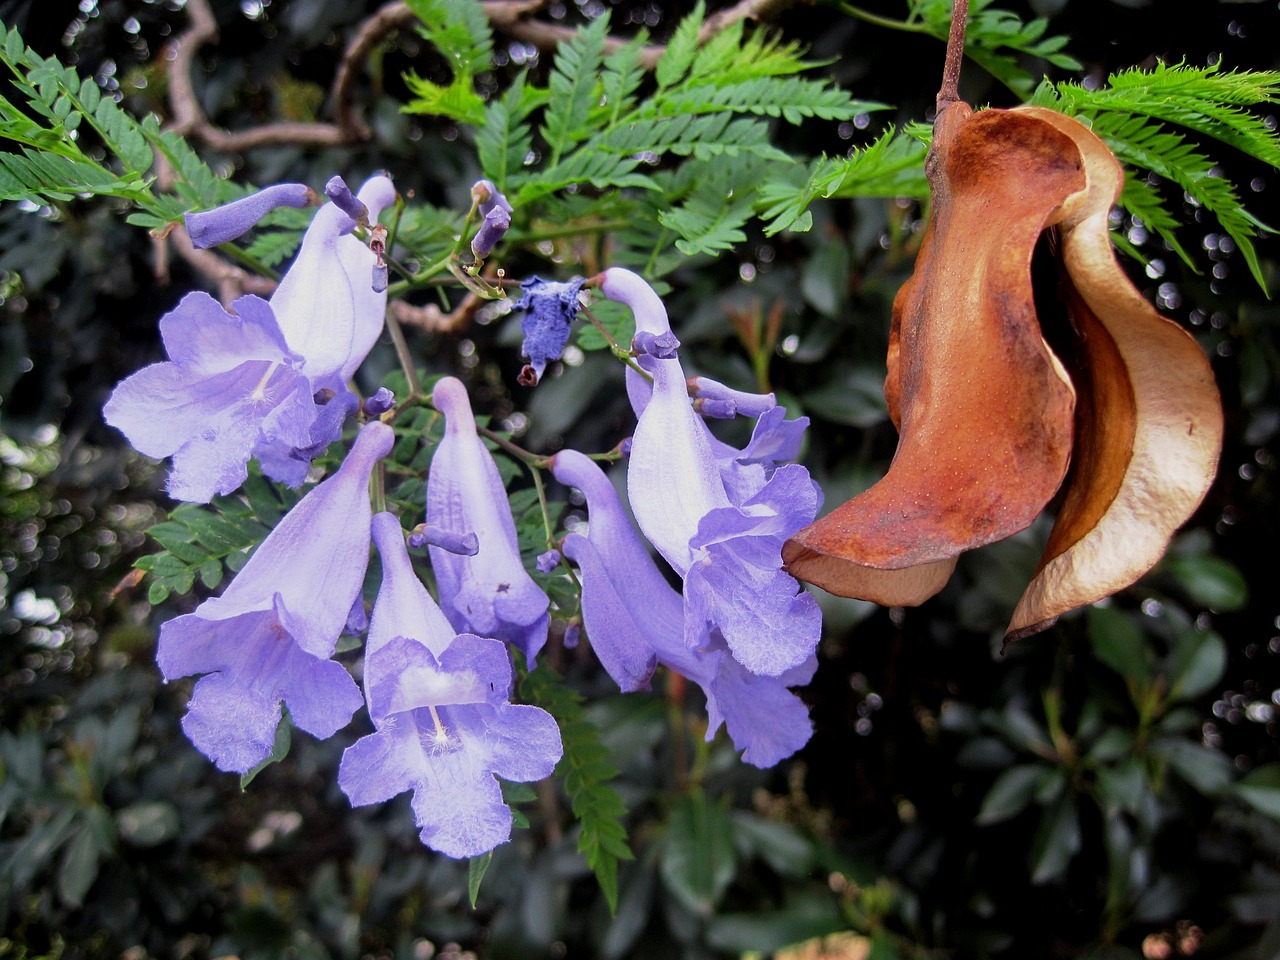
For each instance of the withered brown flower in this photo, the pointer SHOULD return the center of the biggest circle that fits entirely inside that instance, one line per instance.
(989, 419)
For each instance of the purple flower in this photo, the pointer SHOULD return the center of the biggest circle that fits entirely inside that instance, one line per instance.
(326, 305)
(223, 224)
(488, 594)
(269, 637)
(231, 384)
(635, 619)
(550, 308)
(723, 539)
(445, 728)
(495, 214)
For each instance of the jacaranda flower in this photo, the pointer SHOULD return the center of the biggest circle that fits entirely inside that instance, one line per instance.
(231, 384)
(269, 380)
(269, 637)
(445, 728)
(489, 594)
(325, 303)
(723, 539)
(550, 308)
(635, 619)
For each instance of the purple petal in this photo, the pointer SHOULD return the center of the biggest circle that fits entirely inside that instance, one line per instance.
(314, 560)
(619, 635)
(489, 594)
(315, 302)
(204, 339)
(461, 814)
(222, 224)
(739, 588)
(524, 742)
(493, 228)
(765, 720)
(378, 404)
(403, 608)
(336, 189)
(378, 767)
(254, 665)
(403, 675)
(550, 308)
(232, 724)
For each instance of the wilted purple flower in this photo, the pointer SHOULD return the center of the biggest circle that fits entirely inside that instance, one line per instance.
(445, 728)
(635, 618)
(488, 594)
(269, 637)
(231, 384)
(725, 541)
(223, 224)
(550, 308)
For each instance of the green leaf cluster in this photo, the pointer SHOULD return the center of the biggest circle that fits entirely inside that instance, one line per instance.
(1139, 113)
(459, 30)
(689, 146)
(199, 541)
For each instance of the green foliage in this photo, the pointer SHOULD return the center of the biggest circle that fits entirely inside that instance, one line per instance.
(200, 540)
(892, 166)
(1132, 113)
(586, 772)
(703, 125)
(459, 30)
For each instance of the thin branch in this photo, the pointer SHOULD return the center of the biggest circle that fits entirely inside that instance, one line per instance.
(434, 320)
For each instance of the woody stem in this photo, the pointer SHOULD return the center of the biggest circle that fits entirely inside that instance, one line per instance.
(949, 92)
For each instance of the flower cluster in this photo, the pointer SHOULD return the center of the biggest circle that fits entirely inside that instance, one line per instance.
(269, 380)
(742, 628)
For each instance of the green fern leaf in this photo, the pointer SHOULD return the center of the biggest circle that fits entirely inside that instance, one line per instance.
(892, 166)
(458, 101)
(504, 140)
(622, 76)
(572, 87)
(585, 771)
(681, 48)
(460, 30)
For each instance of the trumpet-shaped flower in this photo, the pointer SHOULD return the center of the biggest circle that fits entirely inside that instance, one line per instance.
(445, 728)
(230, 384)
(489, 593)
(326, 304)
(269, 637)
(635, 620)
(268, 381)
(723, 539)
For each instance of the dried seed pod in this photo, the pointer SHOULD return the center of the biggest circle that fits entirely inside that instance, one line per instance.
(984, 408)
(1148, 423)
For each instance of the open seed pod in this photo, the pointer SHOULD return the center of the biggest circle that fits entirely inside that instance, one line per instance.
(983, 407)
(1148, 421)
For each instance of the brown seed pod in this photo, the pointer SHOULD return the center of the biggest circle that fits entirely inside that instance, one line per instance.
(984, 408)
(1148, 421)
